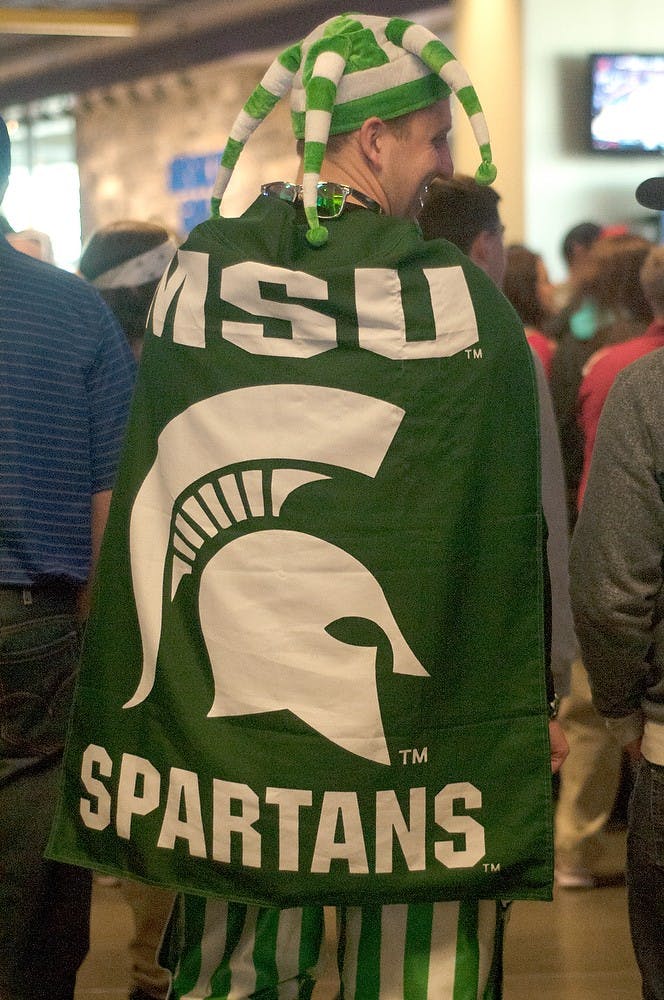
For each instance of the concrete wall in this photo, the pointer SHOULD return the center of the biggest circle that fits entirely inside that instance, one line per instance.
(129, 136)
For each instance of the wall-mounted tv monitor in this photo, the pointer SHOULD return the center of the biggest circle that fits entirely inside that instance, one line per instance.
(627, 102)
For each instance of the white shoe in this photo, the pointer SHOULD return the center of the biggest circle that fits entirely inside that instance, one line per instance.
(575, 878)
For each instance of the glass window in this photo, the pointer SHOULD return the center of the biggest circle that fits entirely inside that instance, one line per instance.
(43, 192)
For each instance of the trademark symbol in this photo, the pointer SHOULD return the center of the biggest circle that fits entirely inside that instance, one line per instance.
(414, 756)
(491, 868)
(474, 352)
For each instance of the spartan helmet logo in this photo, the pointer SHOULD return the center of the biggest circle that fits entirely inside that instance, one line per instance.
(268, 597)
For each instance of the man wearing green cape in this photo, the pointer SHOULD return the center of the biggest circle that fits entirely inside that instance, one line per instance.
(316, 669)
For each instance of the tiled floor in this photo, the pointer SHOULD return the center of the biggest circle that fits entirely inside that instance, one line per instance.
(576, 948)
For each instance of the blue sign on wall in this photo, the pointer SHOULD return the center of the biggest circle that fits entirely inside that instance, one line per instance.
(191, 178)
(187, 172)
(192, 212)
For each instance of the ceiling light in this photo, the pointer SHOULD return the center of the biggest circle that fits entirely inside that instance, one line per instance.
(48, 21)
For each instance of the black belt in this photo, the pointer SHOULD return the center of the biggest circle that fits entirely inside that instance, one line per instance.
(56, 597)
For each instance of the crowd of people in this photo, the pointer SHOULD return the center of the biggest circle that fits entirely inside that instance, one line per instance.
(341, 448)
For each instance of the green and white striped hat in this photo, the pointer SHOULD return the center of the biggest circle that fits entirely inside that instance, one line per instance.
(351, 67)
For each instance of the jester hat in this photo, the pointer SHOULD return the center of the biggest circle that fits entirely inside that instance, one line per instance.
(348, 69)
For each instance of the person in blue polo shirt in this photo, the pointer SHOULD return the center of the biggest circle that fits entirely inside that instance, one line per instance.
(67, 376)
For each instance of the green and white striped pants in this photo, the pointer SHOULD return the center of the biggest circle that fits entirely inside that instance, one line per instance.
(221, 950)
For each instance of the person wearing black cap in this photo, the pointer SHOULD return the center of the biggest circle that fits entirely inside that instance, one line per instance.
(67, 377)
(650, 193)
(617, 582)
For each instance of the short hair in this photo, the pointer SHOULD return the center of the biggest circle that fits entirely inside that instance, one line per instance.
(111, 246)
(651, 276)
(584, 235)
(5, 152)
(458, 209)
(399, 127)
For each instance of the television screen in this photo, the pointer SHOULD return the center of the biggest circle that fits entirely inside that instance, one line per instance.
(627, 102)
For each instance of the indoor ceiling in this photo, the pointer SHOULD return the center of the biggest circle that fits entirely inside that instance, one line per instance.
(167, 35)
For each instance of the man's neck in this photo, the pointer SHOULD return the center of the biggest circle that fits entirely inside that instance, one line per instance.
(349, 169)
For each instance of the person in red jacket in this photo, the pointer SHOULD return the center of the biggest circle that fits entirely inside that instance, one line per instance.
(527, 286)
(603, 366)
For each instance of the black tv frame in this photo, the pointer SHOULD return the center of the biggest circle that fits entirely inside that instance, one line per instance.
(617, 151)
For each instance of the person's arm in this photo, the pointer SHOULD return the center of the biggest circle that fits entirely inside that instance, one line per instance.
(101, 503)
(564, 385)
(616, 554)
(109, 387)
(99, 508)
(559, 745)
(563, 639)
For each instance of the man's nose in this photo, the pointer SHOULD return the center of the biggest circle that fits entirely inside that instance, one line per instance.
(445, 165)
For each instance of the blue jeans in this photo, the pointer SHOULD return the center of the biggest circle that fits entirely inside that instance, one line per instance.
(645, 876)
(45, 906)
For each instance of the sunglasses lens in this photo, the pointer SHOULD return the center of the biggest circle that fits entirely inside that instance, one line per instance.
(281, 189)
(331, 199)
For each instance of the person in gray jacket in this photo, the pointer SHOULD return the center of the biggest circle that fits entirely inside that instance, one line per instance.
(617, 590)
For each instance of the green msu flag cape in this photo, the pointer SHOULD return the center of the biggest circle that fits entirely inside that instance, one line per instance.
(314, 671)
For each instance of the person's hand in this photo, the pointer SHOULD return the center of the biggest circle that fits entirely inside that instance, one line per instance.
(559, 746)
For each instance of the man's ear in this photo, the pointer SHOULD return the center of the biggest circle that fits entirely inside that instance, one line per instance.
(479, 250)
(371, 137)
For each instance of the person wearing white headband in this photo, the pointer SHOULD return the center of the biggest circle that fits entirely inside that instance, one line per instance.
(325, 571)
(124, 261)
